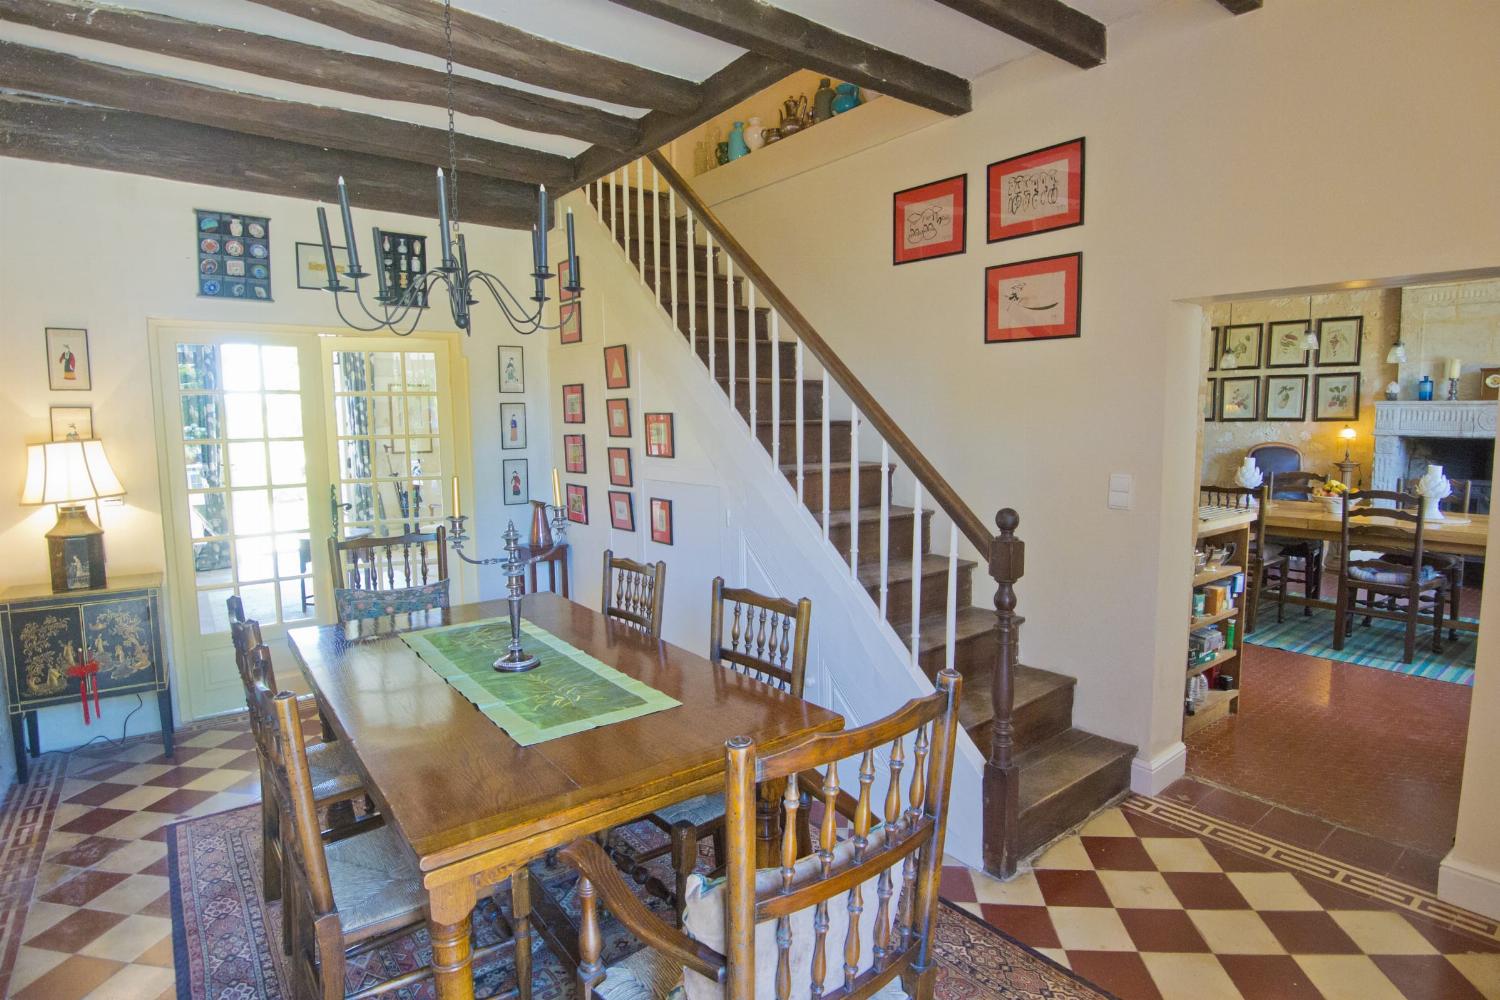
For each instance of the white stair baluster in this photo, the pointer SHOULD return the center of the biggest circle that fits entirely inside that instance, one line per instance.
(599, 198)
(854, 494)
(775, 327)
(692, 316)
(656, 234)
(708, 279)
(729, 322)
(672, 247)
(640, 217)
(916, 572)
(952, 625)
(614, 204)
(827, 511)
(797, 371)
(885, 525)
(754, 363)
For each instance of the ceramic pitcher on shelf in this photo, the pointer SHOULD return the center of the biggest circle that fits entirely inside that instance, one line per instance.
(755, 135)
(793, 114)
(737, 147)
(847, 98)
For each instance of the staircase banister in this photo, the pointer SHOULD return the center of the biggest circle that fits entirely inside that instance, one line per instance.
(938, 488)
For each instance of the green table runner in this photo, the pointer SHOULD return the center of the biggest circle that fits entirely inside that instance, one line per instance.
(570, 691)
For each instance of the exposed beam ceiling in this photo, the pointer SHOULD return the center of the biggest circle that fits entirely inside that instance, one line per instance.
(1241, 6)
(794, 40)
(128, 142)
(1050, 25)
(493, 47)
(48, 73)
(278, 58)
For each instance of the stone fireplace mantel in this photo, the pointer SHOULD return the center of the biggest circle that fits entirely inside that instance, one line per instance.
(1397, 421)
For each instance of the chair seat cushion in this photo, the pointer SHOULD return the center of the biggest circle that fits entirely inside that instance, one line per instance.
(1386, 576)
(1440, 560)
(353, 605)
(376, 884)
(701, 811)
(334, 775)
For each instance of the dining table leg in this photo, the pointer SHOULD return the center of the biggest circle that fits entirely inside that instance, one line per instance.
(450, 916)
(520, 915)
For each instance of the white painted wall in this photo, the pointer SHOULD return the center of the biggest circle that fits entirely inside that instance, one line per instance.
(108, 252)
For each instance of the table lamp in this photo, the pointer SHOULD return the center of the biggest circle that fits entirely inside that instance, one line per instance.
(1346, 467)
(69, 473)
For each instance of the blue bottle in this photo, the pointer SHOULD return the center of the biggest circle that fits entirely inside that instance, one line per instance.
(737, 146)
(1424, 388)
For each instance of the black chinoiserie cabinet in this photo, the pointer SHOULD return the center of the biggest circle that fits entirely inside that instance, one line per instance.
(44, 633)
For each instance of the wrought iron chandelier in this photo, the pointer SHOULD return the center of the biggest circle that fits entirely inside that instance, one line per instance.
(410, 295)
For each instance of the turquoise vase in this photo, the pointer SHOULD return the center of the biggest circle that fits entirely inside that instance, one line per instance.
(737, 146)
(846, 98)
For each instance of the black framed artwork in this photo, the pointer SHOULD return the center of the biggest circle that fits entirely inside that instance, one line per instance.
(69, 365)
(1286, 398)
(930, 220)
(1214, 332)
(516, 480)
(617, 367)
(234, 256)
(1036, 192)
(621, 472)
(1339, 340)
(1285, 344)
(1211, 400)
(617, 416)
(622, 510)
(1239, 399)
(1336, 396)
(1243, 341)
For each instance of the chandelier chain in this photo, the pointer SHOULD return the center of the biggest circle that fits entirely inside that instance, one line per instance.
(452, 132)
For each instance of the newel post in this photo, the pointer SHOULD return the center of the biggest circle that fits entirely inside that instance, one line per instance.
(1002, 803)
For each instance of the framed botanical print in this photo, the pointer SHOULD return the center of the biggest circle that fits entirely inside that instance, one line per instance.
(517, 481)
(621, 510)
(1210, 399)
(512, 426)
(1214, 333)
(1286, 397)
(512, 370)
(1035, 192)
(1336, 396)
(661, 521)
(572, 396)
(578, 503)
(930, 220)
(620, 473)
(70, 420)
(570, 322)
(68, 364)
(1339, 340)
(616, 367)
(1243, 341)
(1033, 299)
(1285, 347)
(1239, 398)
(617, 413)
(660, 439)
(574, 459)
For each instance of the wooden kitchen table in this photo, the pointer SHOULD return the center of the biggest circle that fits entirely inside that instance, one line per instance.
(474, 805)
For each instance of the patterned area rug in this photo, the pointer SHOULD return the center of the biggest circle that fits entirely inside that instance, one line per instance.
(227, 939)
(1379, 646)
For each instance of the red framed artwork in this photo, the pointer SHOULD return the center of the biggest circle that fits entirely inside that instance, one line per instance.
(660, 440)
(572, 395)
(578, 503)
(616, 367)
(661, 521)
(1035, 192)
(574, 459)
(617, 412)
(620, 472)
(570, 323)
(929, 220)
(621, 510)
(1033, 299)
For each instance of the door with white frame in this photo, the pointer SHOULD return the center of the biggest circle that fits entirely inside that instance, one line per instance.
(266, 435)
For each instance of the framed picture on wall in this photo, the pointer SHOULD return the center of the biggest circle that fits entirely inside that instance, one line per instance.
(661, 521)
(1033, 299)
(620, 472)
(616, 367)
(517, 481)
(70, 420)
(621, 510)
(578, 503)
(1243, 341)
(660, 439)
(1336, 396)
(572, 397)
(930, 220)
(1285, 347)
(574, 459)
(617, 414)
(570, 323)
(1286, 397)
(69, 368)
(312, 268)
(1210, 399)
(1239, 399)
(1035, 192)
(1339, 340)
(512, 426)
(512, 370)
(1214, 333)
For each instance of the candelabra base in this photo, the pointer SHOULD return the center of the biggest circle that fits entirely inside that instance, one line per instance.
(516, 662)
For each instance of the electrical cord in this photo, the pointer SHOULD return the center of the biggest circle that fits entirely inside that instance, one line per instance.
(124, 729)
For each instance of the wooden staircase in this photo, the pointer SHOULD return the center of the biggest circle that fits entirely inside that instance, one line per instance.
(1064, 773)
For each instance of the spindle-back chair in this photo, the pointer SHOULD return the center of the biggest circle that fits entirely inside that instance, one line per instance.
(1260, 559)
(633, 592)
(378, 575)
(1408, 578)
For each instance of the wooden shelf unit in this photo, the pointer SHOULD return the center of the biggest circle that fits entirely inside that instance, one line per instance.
(1233, 530)
(1215, 707)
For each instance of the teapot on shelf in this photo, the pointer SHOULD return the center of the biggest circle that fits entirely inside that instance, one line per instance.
(794, 115)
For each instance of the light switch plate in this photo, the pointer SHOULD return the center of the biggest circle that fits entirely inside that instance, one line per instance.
(1121, 486)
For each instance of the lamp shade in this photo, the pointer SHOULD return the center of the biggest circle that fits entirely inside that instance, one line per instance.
(69, 472)
(1347, 433)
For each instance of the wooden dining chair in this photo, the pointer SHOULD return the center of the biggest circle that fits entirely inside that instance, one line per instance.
(633, 592)
(1304, 557)
(845, 921)
(1395, 589)
(1452, 566)
(348, 897)
(379, 575)
(1261, 559)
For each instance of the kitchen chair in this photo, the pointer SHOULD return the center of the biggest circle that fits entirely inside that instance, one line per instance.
(1409, 579)
(633, 592)
(1303, 556)
(379, 575)
(1451, 566)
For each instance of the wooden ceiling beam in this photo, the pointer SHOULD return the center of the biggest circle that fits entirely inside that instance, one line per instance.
(54, 74)
(1049, 25)
(127, 142)
(792, 39)
(494, 47)
(1241, 6)
(296, 62)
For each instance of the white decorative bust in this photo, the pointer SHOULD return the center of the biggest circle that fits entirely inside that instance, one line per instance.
(1249, 475)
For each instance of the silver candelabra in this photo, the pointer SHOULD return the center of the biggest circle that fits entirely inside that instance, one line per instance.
(515, 564)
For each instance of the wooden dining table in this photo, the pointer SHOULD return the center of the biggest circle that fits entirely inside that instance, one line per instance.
(473, 805)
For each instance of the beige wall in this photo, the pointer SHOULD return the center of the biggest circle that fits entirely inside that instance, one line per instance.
(1456, 320)
(1208, 174)
(1225, 443)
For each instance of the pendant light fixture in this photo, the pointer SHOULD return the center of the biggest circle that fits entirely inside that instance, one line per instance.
(1309, 339)
(1228, 361)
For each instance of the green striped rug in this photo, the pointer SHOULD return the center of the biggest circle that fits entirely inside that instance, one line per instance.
(1378, 646)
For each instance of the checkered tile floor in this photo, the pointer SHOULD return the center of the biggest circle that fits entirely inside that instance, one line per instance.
(1148, 900)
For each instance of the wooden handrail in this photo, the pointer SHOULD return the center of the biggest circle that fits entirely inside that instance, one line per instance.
(944, 495)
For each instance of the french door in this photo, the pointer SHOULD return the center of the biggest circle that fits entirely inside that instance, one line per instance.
(272, 442)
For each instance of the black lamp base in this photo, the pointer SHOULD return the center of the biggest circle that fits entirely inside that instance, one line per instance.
(75, 551)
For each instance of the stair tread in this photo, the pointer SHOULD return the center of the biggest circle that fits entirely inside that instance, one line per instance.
(833, 466)
(1061, 761)
(899, 570)
(970, 622)
(1031, 684)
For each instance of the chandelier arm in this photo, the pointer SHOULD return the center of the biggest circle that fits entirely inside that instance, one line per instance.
(532, 322)
(338, 308)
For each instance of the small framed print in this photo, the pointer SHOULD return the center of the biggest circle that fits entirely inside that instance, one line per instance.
(1339, 340)
(68, 421)
(1284, 344)
(512, 369)
(620, 472)
(1243, 341)
(930, 220)
(621, 510)
(1489, 383)
(1239, 399)
(660, 437)
(616, 367)
(1035, 192)
(572, 396)
(1210, 400)
(617, 414)
(312, 269)
(1286, 397)
(1032, 299)
(574, 459)
(661, 521)
(578, 503)
(69, 368)
(1336, 396)
(517, 481)
(512, 426)
(570, 322)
